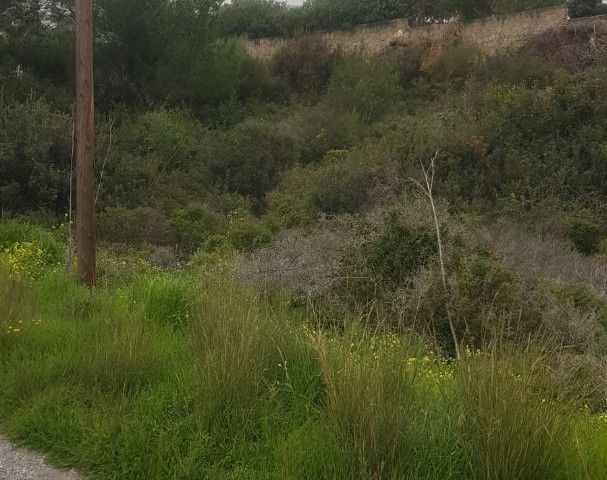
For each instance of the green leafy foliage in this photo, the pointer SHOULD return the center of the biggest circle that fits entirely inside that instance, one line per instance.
(34, 154)
(206, 157)
(586, 235)
(518, 67)
(455, 64)
(365, 86)
(582, 8)
(251, 157)
(401, 251)
(304, 65)
(168, 139)
(256, 18)
(231, 383)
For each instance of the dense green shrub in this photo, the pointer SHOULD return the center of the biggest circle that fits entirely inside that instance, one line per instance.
(393, 251)
(218, 76)
(35, 150)
(501, 7)
(328, 14)
(193, 224)
(407, 61)
(250, 158)
(400, 251)
(168, 139)
(305, 64)
(342, 183)
(583, 8)
(518, 67)
(486, 294)
(471, 9)
(290, 205)
(256, 19)
(320, 129)
(364, 85)
(135, 226)
(246, 233)
(151, 158)
(585, 235)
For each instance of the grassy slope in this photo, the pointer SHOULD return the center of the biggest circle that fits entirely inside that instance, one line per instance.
(187, 376)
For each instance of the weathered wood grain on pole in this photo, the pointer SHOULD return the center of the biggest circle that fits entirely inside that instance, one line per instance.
(85, 141)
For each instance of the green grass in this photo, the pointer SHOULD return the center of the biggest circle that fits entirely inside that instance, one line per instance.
(185, 376)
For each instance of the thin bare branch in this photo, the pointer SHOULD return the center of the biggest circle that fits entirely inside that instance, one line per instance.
(107, 155)
(429, 175)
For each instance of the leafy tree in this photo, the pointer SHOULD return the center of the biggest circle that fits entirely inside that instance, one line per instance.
(249, 159)
(34, 157)
(582, 8)
(509, 6)
(256, 18)
(345, 13)
(305, 65)
(366, 86)
(471, 9)
(37, 38)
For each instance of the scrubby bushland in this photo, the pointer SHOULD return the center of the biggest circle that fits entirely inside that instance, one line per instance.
(143, 59)
(240, 156)
(305, 65)
(455, 64)
(35, 147)
(518, 67)
(304, 261)
(366, 86)
(256, 19)
(572, 49)
(299, 179)
(513, 129)
(268, 18)
(583, 8)
(407, 60)
(251, 157)
(387, 267)
(320, 130)
(190, 375)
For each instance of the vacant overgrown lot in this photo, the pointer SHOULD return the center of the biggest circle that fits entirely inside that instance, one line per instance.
(273, 301)
(189, 375)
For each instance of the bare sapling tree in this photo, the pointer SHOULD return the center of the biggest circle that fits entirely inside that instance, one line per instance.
(427, 188)
(105, 159)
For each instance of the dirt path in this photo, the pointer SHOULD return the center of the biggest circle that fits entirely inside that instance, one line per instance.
(17, 464)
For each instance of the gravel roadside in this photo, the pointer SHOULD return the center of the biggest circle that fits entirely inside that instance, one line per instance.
(18, 464)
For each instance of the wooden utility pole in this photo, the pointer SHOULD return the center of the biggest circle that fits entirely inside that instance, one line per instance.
(85, 144)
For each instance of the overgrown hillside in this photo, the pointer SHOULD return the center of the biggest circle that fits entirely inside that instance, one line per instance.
(186, 375)
(270, 18)
(294, 255)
